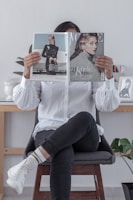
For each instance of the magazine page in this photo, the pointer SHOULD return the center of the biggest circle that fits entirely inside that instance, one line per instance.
(68, 56)
(53, 64)
(84, 48)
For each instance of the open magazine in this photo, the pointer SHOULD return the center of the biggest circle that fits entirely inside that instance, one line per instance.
(67, 56)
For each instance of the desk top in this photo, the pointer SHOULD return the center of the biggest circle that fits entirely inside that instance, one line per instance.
(9, 106)
(5, 101)
(125, 107)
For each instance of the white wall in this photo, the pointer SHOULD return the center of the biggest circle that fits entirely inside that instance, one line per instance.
(19, 19)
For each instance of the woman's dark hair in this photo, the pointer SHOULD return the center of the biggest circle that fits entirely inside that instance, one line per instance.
(129, 82)
(80, 41)
(63, 27)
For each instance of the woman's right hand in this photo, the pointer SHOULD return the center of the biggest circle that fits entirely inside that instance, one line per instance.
(29, 60)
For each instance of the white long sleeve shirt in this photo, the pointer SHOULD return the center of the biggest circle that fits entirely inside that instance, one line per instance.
(58, 101)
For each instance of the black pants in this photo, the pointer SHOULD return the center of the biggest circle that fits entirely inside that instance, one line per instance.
(47, 64)
(79, 134)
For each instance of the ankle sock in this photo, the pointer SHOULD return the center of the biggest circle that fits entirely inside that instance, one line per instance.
(38, 156)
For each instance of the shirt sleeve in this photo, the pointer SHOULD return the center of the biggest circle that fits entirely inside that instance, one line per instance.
(26, 95)
(106, 95)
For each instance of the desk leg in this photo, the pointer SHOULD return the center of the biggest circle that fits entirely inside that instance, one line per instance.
(2, 117)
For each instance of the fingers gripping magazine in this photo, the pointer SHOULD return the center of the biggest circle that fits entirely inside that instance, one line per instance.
(68, 56)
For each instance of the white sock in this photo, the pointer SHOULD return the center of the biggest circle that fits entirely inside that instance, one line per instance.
(31, 162)
(37, 154)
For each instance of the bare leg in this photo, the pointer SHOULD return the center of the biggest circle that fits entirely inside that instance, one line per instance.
(44, 152)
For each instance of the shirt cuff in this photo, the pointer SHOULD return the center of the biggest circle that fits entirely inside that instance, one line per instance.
(25, 83)
(109, 83)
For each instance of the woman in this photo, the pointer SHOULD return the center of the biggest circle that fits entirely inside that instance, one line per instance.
(124, 93)
(50, 52)
(82, 60)
(66, 114)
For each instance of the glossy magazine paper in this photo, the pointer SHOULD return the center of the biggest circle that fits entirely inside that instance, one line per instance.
(67, 56)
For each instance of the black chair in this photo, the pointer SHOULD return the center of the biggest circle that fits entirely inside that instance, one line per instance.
(84, 164)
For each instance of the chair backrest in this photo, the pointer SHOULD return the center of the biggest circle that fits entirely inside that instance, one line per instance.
(104, 145)
(97, 117)
(31, 144)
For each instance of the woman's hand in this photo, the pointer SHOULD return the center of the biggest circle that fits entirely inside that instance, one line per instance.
(105, 64)
(29, 60)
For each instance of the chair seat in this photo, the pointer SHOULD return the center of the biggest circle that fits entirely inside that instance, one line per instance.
(98, 157)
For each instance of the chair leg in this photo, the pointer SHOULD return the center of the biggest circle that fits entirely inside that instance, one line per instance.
(94, 170)
(37, 182)
(37, 194)
(90, 169)
(99, 183)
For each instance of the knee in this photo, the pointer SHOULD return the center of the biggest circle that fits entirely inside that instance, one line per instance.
(85, 116)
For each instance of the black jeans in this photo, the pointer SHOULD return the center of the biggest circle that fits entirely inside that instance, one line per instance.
(79, 134)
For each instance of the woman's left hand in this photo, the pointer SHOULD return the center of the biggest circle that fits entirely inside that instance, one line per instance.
(105, 64)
